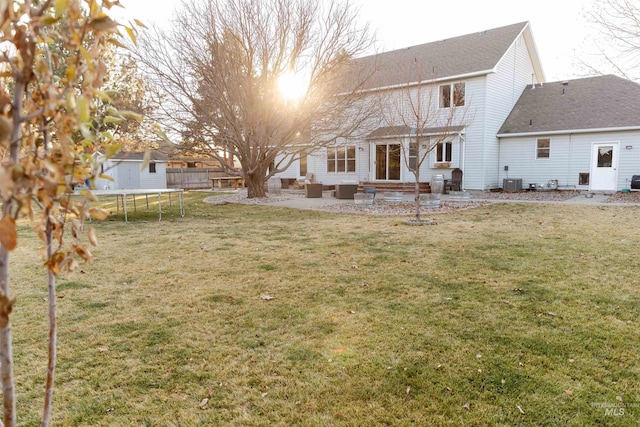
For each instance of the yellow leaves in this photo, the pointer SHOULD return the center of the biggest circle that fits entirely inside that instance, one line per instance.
(6, 126)
(60, 7)
(158, 131)
(83, 252)
(88, 194)
(54, 263)
(99, 213)
(145, 160)
(6, 307)
(70, 103)
(132, 35)
(84, 113)
(131, 115)
(8, 233)
(111, 150)
(112, 119)
(7, 184)
(117, 42)
(91, 235)
(103, 23)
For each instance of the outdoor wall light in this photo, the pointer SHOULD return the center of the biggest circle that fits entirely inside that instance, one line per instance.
(629, 147)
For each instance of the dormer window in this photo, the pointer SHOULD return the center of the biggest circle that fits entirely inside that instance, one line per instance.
(452, 95)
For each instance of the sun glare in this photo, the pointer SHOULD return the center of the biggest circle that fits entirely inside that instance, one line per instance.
(292, 86)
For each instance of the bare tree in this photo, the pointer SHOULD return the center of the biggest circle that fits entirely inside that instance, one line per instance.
(618, 22)
(219, 68)
(414, 114)
(46, 128)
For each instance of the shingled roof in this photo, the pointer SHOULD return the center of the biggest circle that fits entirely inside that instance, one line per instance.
(581, 105)
(458, 57)
(155, 156)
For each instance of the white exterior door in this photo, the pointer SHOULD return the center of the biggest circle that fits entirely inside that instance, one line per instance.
(604, 167)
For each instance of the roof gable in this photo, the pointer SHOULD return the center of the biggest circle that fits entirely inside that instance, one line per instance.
(472, 54)
(575, 105)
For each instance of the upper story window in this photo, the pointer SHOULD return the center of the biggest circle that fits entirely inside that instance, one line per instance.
(452, 95)
(543, 148)
(341, 159)
(152, 167)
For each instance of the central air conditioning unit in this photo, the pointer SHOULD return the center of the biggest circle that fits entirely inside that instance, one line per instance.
(512, 185)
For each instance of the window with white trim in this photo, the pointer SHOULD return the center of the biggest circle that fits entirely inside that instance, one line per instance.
(443, 152)
(543, 148)
(341, 159)
(452, 95)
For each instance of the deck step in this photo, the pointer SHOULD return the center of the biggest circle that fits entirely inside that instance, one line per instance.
(404, 187)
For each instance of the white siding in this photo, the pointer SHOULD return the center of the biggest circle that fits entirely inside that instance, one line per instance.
(514, 73)
(292, 172)
(127, 175)
(317, 164)
(155, 180)
(569, 156)
(471, 157)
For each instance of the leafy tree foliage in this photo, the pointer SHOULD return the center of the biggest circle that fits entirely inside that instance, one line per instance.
(52, 69)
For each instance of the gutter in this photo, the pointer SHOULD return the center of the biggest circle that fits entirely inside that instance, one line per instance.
(426, 82)
(569, 131)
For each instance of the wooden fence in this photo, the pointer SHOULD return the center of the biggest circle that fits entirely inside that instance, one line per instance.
(192, 178)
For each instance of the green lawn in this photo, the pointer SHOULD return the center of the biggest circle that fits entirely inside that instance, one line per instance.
(511, 314)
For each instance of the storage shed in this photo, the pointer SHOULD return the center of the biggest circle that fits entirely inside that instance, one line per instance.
(126, 172)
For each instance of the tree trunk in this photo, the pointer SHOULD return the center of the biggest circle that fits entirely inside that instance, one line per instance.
(417, 199)
(6, 352)
(51, 365)
(416, 193)
(255, 186)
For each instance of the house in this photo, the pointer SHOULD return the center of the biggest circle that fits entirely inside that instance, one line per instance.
(483, 73)
(584, 133)
(126, 172)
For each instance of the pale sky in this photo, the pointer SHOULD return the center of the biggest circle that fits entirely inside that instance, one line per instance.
(559, 27)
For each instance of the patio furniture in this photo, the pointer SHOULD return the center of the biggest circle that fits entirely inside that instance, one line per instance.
(455, 183)
(313, 190)
(346, 191)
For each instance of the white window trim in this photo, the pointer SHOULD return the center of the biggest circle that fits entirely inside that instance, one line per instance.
(451, 95)
(346, 159)
(537, 149)
(435, 154)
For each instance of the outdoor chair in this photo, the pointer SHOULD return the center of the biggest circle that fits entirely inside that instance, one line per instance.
(455, 183)
(308, 179)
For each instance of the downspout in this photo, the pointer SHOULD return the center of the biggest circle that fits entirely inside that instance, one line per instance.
(462, 156)
(569, 159)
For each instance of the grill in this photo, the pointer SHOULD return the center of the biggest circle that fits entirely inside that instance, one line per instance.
(635, 182)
